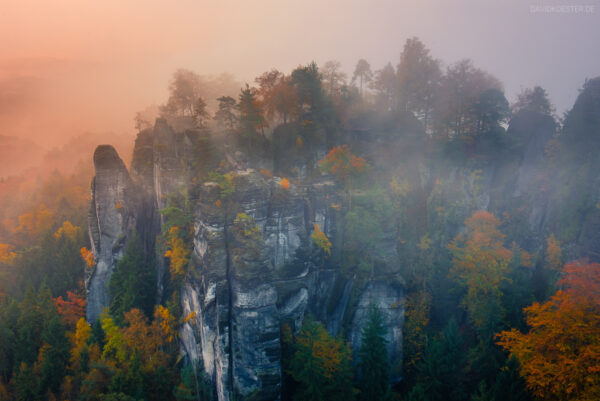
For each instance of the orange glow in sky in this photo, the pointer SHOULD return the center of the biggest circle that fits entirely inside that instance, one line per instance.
(71, 66)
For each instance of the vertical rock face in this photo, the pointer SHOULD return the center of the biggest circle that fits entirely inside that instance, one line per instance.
(235, 337)
(389, 299)
(111, 220)
(243, 279)
(251, 270)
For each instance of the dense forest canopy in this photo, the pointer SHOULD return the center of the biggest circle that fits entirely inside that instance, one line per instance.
(479, 217)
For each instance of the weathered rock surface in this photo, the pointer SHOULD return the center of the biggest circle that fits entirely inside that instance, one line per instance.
(389, 299)
(111, 220)
(239, 288)
(250, 273)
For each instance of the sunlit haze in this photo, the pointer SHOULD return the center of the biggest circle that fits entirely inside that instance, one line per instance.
(72, 66)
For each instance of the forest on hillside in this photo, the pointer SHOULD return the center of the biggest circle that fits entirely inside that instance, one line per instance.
(483, 214)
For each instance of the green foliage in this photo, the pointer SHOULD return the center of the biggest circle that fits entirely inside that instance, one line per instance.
(133, 283)
(116, 397)
(509, 385)
(28, 328)
(97, 336)
(225, 115)
(186, 389)
(205, 156)
(246, 242)
(321, 365)
(366, 225)
(251, 124)
(482, 266)
(442, 369)
(193, 385)
(251, 119)
(114, 347)
(27, 384)
(534, 100)
(177, 238)
(307, 82)
(225, 182)
(363, 73)
(414, 331)
(373, 358)
(54, 355)
(437, 138)
(55, 260)
(7, 343)
(178, 211)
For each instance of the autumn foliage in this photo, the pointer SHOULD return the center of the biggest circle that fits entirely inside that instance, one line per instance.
(87, 256)
(6, 253)
(481, 264)
(68, 230)
(320, 239)
(342, 163)
(149, 340)
(71, 309)
(177, 252)
(321, 364)
(32, 223)
(560, 355)
(285, 183)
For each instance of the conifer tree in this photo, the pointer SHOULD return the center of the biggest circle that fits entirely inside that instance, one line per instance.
(132, 285)
(373, 358)
(54, 354)
(27, 384)
(29, 326)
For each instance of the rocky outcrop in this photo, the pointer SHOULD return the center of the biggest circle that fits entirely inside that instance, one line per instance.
(245, 277)
(238, 283)
(389, 299)
(253, 269)
(111, 220)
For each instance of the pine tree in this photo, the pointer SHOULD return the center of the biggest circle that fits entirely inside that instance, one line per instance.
(509, 385)
(98, 336)
(441, 369)
(133, 283)
(7, 343)
(373, 358)
(29, 326)
(54, 354)
(251, 119)
(225, 115)
(26, 384)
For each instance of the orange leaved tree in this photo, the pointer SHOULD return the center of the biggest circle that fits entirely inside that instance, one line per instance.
(560, 355)
(341, 163)
(481, 264)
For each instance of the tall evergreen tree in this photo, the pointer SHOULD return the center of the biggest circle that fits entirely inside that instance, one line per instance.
(441, 371)
(373, 358)
(509, 385)
(7, 343)
(133, 283)
(54, 354)
(26, 384)
(29, 326)
(225, 115)
(251, 119)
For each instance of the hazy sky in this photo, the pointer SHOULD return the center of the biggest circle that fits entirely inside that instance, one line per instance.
(68, 66)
